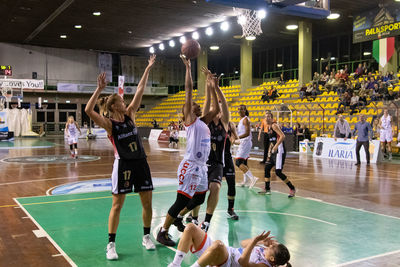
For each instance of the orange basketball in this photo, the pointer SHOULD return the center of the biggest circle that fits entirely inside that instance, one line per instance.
(191, 49)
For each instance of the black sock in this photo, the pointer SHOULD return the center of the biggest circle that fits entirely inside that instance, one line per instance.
(146, 230)
(111, 237)
(231, 203)
(195, 218)
(290, 185)
(267, 186)
(208, 217)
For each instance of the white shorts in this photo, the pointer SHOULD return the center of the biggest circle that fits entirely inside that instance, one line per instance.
(192, 178)
(386, 136)
(72, 140)
(244, 150)
(207, 242)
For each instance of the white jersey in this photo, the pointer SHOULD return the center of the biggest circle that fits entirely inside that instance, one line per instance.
(242, 129)
(72, 130)
(386, 122)
(256, 256)
(198, 142)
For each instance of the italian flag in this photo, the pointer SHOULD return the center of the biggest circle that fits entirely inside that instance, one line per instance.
(382, 50)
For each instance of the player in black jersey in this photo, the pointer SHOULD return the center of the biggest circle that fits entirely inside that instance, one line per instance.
(130, 165)
(276, 156)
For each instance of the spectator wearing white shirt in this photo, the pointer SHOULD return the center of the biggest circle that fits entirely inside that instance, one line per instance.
(342, 129)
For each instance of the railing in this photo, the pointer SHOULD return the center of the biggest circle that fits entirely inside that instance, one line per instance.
(271, 74)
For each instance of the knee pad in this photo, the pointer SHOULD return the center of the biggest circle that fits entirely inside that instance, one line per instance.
(180, 203)
(71, 147)
(238, 162)
(197, 200)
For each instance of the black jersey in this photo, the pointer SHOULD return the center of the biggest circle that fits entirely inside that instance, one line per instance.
(273, 139)
(218, 138)
(126, 141)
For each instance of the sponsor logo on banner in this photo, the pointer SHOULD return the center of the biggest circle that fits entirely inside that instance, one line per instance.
(341, 150)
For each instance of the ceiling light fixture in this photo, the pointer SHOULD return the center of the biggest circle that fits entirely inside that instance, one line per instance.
(171, 43)
(161, 47)
(209, 31)
(279, 65)
(182, 40)
(250, 38)
(261, 14)
(214, 47)
(78, 26)
(224, 26)
(369, 53)
(152, 50)
(96, 13)
(63, 36)
(195, 35)
(333, 16)
(292, 27)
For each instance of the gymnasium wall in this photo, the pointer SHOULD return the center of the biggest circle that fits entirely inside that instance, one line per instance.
(63, 65)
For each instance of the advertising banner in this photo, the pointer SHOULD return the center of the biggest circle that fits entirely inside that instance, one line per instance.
(22, 83)
(381, 22)
(344, 150)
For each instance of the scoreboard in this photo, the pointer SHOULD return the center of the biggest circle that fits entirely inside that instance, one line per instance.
(6, 70)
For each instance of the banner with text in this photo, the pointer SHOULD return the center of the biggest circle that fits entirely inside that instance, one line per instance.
(344, 150)
(382, 22)
(22, 83)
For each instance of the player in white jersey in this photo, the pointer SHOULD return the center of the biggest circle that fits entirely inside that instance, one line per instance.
(386, 133)
(192, 171)
(245, 144)
(260, 251)
(71, 132)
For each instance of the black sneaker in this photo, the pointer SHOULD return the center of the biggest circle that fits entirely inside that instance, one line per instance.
(204, 226)
(358, 163)
(179, 224)
(233, 215)
(189, 218)
(165, 239)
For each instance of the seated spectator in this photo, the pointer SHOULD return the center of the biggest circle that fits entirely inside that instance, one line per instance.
(323, 79)
(379, 77)
(309, 90)
(155, 124)
(288, 129)
(365, 68)
(330, 83)
(302, 91)
(306, 132)
(390, 96)
(337, 74)
(341, 87)
(371, 83)
(316, 78)
(327, 71)
(362, 100)
(281, 79)
(359, 71)
(264, 95)
(344, 75)
(346, 70)
(271, 95)
(345, 101)
(354, 104)
(376, 95)
(314, 91)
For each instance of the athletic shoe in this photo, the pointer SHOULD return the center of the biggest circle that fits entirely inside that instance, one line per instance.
(390, 157)
(204, 226)
(147, 243)
(196, 222)
(111, 253)
(173, 265)
(189, 218)
(179, 224)
(233, 215)
(262, 162)
(292, 193)
(265, 192)
(253, 181)
(165, 239)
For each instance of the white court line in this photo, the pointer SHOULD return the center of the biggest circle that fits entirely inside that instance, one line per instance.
(67, 258)
(368, 258)
(57, 255)
(50, 179)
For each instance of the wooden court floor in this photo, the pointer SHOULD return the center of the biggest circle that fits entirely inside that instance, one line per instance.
(374, 189)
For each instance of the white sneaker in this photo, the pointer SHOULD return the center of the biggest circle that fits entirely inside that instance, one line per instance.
(173, 265)
(244, 183)
(111, 253)
(253, 181)
(147, 243)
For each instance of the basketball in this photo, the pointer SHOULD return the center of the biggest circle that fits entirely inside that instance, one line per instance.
(191, 49)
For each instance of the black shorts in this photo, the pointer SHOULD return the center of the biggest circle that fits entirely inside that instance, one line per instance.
(229, 168)
(173, 140)
(277, 160)
(215, 172)
(131, 173)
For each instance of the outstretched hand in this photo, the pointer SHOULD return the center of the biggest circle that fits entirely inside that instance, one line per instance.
(265, 239)
(185, 60)
(206, 72)
(151, 60)
(101, 81)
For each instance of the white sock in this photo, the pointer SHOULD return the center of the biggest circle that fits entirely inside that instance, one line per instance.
(76, 151)
(179, 256)
(249, 174)
(196, 264)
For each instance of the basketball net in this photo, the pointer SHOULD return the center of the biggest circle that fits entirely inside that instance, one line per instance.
(251, 24)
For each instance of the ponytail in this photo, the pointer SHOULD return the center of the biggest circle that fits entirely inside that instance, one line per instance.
(105, 104)
(247, 112)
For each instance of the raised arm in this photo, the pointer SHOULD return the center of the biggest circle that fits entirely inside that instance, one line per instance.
(215, 109)
(137, 99)
(96, 117)
(207, 101)
(187, 110)
(224, 105)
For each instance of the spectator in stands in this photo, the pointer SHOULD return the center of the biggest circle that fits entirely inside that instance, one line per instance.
(264, 95)
(342, 129)
(390, 96)
(376, 93)
(371, 83)
(272, 94)
(330, 83)
(323, 79)
(359, 71)
(346, 70)
(379, 77)
(345, 102)
(287, 129)
(365, 68)
(309, 90)
(344, 75)
(362, 100)
(172, 126)
(327, 71)
(354, 104)
(281, 79)
(302, 91)
(337, 74)
(316, 78)
(155, 124)
(314, 91)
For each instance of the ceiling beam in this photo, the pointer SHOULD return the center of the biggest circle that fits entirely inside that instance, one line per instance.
(53, 15)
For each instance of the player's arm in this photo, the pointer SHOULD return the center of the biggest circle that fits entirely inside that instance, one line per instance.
(246, 124)
(244, 259)
(66, 129)
(207, 101)
(137, 99)
(224, 105)
(96, 117)
(187, 109)
(278, 130)
(234, 135)
(215, 109)
(77, 126)
(260, 131)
